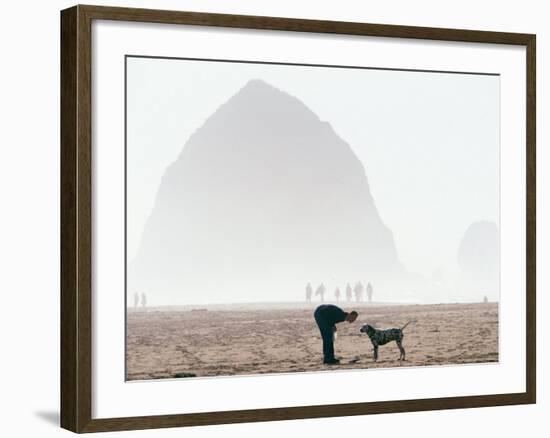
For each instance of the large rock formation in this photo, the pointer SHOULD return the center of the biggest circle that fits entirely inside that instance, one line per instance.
(478, 259)
(263, 198)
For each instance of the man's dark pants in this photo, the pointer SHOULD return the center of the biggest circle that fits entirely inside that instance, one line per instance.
(326, 334)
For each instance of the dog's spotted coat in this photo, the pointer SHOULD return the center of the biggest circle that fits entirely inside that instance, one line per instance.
(381, 337)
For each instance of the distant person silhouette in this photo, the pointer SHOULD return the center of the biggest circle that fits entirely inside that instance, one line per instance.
(327, 316)
(136, 300)
(348, 293)
(143, 300)
(485, 299)
(358, 290)
(309, 292)
(337, 294)
(369, 292)
(321, 292)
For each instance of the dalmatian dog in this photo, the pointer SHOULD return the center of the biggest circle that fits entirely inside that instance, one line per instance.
(381, 337)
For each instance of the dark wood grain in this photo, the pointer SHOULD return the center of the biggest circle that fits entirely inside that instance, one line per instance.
(84, 218)
(276, 414)
(76, 218)
(303, 25)
(531, 218)
(69, 329)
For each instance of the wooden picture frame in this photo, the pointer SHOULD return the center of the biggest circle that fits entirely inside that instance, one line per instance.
(76, 217)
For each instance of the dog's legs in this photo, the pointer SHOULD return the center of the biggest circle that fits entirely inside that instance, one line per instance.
(375, 353)
(401, 350)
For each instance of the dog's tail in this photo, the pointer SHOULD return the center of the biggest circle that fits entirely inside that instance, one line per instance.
(403, 328)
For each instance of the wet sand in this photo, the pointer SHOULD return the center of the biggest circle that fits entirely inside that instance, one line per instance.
(254, 339)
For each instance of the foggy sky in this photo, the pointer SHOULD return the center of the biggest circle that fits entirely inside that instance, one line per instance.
(429, 142)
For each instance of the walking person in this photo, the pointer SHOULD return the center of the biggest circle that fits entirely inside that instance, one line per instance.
(309, 293)
(143, 300)
(348, 293)
(327, 316)
(321, 292)
(358, 289)
(337, 294)
(369, 292)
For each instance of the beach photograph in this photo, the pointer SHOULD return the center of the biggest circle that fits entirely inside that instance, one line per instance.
(286, 218)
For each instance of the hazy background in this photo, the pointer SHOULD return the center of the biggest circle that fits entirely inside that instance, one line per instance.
(428, 144)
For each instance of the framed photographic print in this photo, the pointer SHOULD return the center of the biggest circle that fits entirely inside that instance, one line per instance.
(273, 209)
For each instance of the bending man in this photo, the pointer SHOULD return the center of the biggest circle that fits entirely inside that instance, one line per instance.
(326, 316)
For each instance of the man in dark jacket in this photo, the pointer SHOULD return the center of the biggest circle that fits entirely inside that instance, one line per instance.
(327, 316)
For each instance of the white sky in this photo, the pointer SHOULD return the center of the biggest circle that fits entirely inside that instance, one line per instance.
(429, 142)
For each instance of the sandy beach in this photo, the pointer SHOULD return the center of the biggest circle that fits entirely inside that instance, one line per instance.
(197, 341)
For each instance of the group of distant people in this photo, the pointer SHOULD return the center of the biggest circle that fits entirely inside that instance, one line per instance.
(137, 299)
(358, 290)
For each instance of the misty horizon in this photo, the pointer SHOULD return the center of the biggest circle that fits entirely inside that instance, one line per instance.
(364, 249)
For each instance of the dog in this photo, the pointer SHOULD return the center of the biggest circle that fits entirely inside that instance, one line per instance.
(381, 337)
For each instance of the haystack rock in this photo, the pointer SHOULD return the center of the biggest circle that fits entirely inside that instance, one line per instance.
(263, 198)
